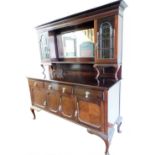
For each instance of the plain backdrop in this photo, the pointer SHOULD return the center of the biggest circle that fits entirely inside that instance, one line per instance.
(51, 135)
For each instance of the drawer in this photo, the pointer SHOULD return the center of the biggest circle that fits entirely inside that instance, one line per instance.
(36, 84)
(88, 93)
(61, 88)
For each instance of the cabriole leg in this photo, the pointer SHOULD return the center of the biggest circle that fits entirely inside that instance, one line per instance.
(118, 127)
(119, 123)
(107, 146)
(104, 138)
(33, 109)
(33, 112)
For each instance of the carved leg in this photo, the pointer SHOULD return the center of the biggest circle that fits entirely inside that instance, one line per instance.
(33, 112)
(106, 138)
(118, 127)
(107, 147)
(90, 131)
(119, 123)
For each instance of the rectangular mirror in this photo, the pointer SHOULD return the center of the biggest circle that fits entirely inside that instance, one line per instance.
(76, 44)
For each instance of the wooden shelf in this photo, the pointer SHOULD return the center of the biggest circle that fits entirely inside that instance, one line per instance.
(71, 62)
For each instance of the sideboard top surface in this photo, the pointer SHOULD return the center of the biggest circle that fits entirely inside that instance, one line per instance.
(107, 83)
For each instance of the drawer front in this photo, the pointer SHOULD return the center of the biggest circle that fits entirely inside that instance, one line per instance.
(88, 93)
(53, 101)
(89, 112)
(36, 84)
(68, 104)
(64, 89)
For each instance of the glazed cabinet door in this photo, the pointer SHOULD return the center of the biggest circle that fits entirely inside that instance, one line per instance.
(47, 44)
(105, 40)
(44, 46)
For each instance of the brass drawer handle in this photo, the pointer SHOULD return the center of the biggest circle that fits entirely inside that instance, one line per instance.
(87, 93)
(45, 103)
(35, 84)
(60, 108)
(49, 87)
(75, 113)
(63, 90)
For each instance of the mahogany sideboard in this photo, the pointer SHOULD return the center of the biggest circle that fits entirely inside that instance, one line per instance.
(81, 58)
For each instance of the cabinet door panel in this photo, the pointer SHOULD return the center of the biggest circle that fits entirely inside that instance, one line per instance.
(105, 40)
(44, 46)
(53, 101)
(39, 97)
(89, 112)
(68, 103)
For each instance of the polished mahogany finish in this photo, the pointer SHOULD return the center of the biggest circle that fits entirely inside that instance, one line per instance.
(81, 60)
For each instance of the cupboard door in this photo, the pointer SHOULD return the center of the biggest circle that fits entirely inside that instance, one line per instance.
(38, 93)
(89, 112)
(68, 104)
(39, 97)
(53, 101)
